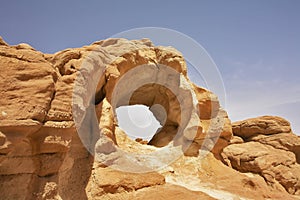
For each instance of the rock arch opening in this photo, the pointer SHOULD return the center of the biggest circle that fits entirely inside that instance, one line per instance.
(162, 106)
(138, 122)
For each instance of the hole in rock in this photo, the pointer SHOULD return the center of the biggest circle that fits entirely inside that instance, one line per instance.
(138, 121)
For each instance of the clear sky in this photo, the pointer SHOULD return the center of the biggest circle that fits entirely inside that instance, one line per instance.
(255, 44)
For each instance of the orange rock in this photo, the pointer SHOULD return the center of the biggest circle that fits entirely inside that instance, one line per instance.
(270, 150)
(42, 154)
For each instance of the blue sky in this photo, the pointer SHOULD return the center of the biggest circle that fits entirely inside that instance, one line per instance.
(255, 44)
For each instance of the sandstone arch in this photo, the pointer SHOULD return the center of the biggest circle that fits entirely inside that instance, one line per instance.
(37, 119)
(158, 68)
(41, 153)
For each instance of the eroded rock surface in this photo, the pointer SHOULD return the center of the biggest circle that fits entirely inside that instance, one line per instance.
(43, 156)
(268, 148)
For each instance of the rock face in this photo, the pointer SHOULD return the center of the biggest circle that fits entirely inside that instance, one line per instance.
(266, 147)
(59, 137)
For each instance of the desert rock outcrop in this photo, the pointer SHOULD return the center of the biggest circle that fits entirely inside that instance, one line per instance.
(58, 123)
(269, 149)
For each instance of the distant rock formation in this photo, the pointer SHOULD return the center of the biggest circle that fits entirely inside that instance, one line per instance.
(43, 155)
(266, 146)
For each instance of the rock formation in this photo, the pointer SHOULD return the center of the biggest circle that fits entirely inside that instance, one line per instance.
(267, 147)
(59, 137)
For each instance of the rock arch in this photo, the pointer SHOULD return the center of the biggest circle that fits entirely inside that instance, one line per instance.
(37, 118)
(148, 75)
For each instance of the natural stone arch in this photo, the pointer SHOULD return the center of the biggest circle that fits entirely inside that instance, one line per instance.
(193, 131)
(152, 84)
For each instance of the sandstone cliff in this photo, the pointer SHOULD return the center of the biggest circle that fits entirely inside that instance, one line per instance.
(59, 137)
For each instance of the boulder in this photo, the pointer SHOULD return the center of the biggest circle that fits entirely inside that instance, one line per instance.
(265, 125)
(269, 149)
